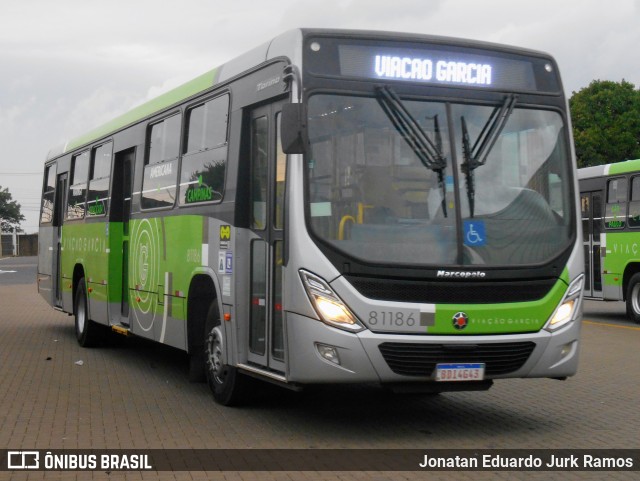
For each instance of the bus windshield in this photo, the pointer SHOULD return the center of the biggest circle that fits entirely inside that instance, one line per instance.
(395, 181)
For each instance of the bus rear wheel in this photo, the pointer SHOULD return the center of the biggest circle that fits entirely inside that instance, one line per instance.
(225, 381)
(633, 298)
(87, 331)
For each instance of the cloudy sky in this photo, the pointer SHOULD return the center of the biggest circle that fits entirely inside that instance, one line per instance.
(70, 65)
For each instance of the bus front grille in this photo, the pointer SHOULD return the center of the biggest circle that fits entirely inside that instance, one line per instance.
(442, 292)
(409, 359)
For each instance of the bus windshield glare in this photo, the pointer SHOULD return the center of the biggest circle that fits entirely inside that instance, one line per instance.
(413, 182)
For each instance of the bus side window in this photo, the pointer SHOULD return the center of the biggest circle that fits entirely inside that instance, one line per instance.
(161, 169)
(616, 208)
(205, 157)
(634, 204)
(48, 194)
(99, 176)
(78, 188)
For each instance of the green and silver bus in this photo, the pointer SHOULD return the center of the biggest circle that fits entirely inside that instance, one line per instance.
(610, 203)
(331, 207)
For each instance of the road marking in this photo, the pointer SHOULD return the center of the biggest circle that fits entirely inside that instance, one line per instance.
(5, 272)
(611, 325)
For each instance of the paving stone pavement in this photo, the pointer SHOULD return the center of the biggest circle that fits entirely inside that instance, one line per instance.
(135, 394)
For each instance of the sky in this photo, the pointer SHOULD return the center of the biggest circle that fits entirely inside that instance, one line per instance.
(67, 66)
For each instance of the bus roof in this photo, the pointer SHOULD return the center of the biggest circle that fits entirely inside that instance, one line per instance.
(616, 168)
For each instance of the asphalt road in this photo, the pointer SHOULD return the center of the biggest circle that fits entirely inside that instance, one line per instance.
(18, 270)
(135, 395)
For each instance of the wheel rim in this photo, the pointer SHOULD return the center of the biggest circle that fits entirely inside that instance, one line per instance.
(635, 299)
(81, 316)
(215, 356)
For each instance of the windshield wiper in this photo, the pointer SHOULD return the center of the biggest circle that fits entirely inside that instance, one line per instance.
(428, 152)
(477, 155)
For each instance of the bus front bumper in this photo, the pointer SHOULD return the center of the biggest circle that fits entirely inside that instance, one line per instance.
(322, 354)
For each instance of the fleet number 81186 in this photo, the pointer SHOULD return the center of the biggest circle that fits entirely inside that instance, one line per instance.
(391, 319)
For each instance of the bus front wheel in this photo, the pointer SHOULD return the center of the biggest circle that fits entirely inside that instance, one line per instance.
(633, 298)
(224, 381)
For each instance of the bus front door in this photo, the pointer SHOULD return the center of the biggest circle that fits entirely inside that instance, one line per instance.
(267, 187)
(591, 205)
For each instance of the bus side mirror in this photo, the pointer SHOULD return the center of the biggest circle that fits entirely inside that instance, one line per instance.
(293, 129)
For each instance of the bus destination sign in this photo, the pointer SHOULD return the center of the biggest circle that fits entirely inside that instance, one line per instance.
(416, 68)
(445, 66)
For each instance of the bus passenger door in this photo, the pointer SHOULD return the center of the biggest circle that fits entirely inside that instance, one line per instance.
(58, 220)
(591, 206)
(120, 213)
(267, 184)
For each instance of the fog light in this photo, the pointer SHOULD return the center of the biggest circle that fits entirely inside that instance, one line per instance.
(329, 353)
(566, 350)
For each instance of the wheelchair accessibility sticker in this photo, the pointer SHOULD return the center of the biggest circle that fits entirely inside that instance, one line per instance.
(474, 233)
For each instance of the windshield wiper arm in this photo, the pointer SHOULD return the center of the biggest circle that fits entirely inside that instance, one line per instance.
(477, 155)
(428, 152)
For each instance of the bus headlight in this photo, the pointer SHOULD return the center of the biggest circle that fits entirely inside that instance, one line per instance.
(567, 307)
(328, 305)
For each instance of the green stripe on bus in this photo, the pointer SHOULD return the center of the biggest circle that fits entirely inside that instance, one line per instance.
(622, 249)
(156, 246)
(504, 318)
(624, 167)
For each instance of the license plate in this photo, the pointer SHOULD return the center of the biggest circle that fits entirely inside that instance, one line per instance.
(460, 372)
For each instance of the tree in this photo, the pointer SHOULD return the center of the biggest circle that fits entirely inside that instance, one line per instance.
(606, 122)
(10, 216)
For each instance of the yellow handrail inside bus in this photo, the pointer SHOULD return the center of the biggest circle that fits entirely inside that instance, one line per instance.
(361, 208)
(343, 221)
(356, 220)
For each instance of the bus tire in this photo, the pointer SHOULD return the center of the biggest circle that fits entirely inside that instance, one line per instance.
(87, 331)
(633, 298)
(225, 381)
(196, 366)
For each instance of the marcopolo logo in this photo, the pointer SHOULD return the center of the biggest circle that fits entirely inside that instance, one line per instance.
(460, 320)
(461, 274)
